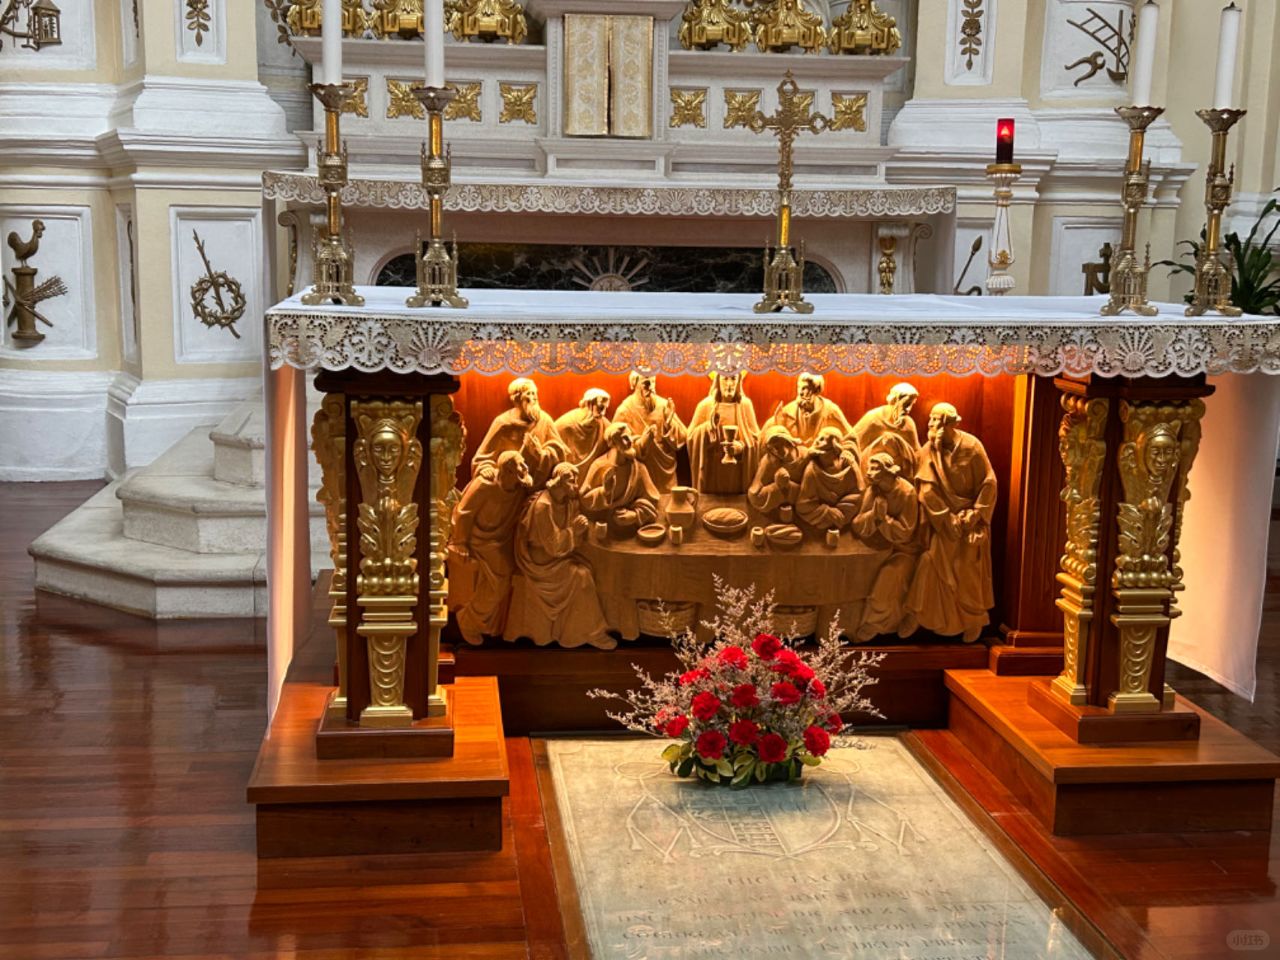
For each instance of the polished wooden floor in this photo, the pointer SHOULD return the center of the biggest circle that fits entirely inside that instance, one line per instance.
(126, 745)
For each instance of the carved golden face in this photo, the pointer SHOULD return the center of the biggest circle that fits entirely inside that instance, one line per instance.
(728, 387)
(1162, 455)
(386, 449)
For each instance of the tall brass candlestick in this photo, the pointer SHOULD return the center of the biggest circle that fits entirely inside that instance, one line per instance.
(1128, 277)
(437, 267)
(1213, 277)
(332, 254)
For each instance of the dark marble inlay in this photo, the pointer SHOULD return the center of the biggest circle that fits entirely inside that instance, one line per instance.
(519, 266)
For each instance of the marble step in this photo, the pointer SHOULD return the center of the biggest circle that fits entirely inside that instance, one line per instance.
(178, 501)
(239, 446)
(87, 556)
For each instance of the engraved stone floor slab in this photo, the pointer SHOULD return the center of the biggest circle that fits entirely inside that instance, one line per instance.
(867, 858)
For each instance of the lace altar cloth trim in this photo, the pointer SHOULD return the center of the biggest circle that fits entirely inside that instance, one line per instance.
(524, 332)
(645, 201)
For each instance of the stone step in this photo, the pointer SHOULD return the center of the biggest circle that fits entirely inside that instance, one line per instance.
(177, 502)
(239, 445)
(87, 556)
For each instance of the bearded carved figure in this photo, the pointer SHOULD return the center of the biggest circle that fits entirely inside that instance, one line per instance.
(809, 412)
(618, 489)
(527, 429)
(722, 438)
(890, 429)
(656, 426)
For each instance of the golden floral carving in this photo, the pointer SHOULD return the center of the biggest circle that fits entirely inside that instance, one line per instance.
(887, 267)
(396, 18)
(358, 101)
(329, 443)
(466, 103)
(784, 24)
(518, 102)
(864, 28)
(1083, 449)
(388, 457)
(489, 20)
(688, 108)
(401, 102)
(740, 106)
(849, 111)
(708, 23)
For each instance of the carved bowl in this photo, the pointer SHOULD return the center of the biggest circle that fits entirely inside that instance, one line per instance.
(784, 536)
(651, 534)
(725, 521)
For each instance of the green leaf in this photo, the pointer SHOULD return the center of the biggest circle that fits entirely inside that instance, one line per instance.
(761, 770)
(672, 753)
(724, 768)
(685, 768)
(809, 760)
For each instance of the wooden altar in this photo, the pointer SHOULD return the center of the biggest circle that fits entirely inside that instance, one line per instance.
(1098, 458)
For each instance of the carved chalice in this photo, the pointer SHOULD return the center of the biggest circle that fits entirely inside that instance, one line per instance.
(729, 434)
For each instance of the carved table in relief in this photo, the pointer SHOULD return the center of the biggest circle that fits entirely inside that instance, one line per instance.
(1161, 361)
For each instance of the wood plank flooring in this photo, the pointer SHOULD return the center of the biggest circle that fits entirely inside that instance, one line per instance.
(125, 747)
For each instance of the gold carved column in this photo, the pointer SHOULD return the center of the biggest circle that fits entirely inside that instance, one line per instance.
(328, 443)
(1127, 447)
(448, 440)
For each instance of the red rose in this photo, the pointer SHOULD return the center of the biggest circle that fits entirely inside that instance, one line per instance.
(744, 732)
(733, 657)
(816, 741)
(711, 744)
(766, 646)
(802, 672)
(744, 696)
(772, 748)
(693, 676)
(677, 726)
(817, 689)
(706, 706)
(783, 692)
(834, 723)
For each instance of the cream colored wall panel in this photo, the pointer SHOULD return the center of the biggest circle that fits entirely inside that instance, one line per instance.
(126, 260)
(1076, 241)
(65, 251)
(77, 51)
(971, 42)
(217, 280)
(201, 28)
(130, 30)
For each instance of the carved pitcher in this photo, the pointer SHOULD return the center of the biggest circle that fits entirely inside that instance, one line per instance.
(682, 508)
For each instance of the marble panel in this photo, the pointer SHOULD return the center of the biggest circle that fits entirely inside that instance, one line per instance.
(63, 251)
(865, 858)
(1086, 50)
(214, 279)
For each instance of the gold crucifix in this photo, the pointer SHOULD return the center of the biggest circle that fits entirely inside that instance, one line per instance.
(783, 271)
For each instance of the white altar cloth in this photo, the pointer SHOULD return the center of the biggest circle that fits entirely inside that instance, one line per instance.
(523, 332)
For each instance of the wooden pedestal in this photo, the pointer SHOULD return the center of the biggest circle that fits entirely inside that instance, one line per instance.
(1221, 781)
(1086, 724)
(340, 739)
(307, 807)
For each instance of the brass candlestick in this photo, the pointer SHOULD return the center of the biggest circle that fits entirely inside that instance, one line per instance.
(1128, 277)
(783, 270)
(437, 267)
(332, 252)
(1213, 277)
(1000, 259)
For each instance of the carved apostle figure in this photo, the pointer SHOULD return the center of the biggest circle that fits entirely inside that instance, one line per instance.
(657, 427)
(557, 600)
(782, 463)
(809, 412)
(582, 429)
(722, 438)
(887, 520)
(889, 428)
(618, 488)
(483, 530)
(832, 483)
(525, 428)
(951, 591)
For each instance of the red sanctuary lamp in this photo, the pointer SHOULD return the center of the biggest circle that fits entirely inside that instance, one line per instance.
(1004, 141)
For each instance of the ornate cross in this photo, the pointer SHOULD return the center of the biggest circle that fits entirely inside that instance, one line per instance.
(794, 116)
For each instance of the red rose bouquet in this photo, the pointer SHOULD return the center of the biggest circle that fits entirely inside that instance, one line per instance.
(747, 706)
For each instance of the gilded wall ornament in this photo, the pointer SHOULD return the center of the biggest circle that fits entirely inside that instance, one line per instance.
(739, 107)
(401, 102)
(303, 18)
(329, 443)
(289, 220)
(217, 299)
(887, 267)
(279, 11)
(849, 111)
(1083, 449)
(971, 31)
(518, 103)
(357, 101)
(23, 294)
(864, 29)
(466, 102)
(43, 23)
(709, 23)
(784, 24)
(1113, 39)
(387, 456)
(198, 19)
(489, 20)
(688, 108)
(396, 18)
(448, 440)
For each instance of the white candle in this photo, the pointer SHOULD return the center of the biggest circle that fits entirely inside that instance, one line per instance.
(331, 42)
(1144, 59)
(1228, 41)
(433, 35)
